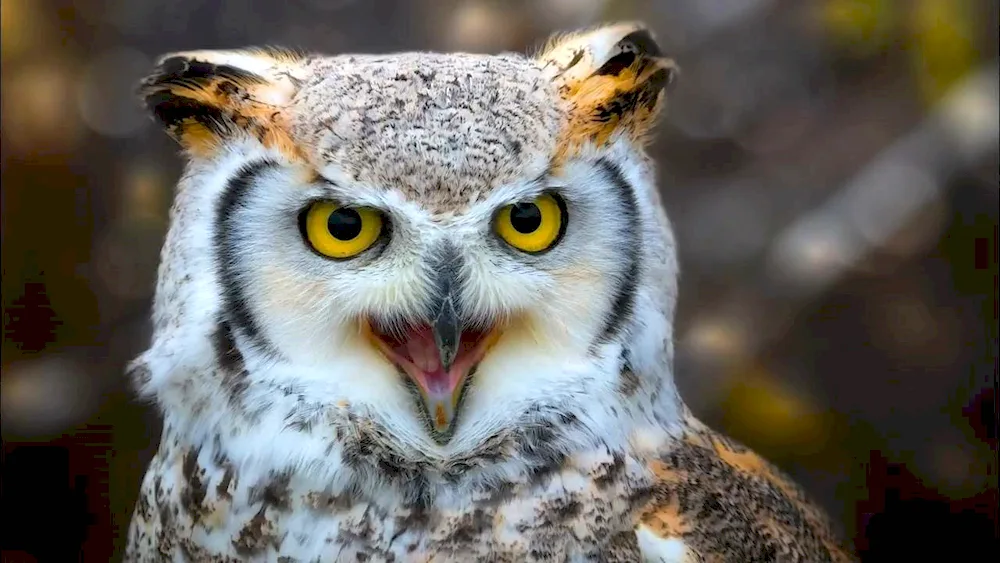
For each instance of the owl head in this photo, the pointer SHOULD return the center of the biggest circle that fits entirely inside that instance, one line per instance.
(439, 245)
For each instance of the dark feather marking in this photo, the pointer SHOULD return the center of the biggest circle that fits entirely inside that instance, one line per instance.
(654, 84)
(274, 493)
(616, 64)
(628, 381)
(642, 41)
(638, 44)
(230, 360)
(609, 473)
(470, 527)
(194, 489)
(255, 536)
(162, 92)
(139, 375)
(182, 71)
(227, 245)
(626, 284)
(173, 111)
(328, 502)
(222, 489)
(577, 57)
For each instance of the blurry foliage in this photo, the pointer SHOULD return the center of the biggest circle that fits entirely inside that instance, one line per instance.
(939, 36)
(774, 415)
(942, 34)
(864, 27)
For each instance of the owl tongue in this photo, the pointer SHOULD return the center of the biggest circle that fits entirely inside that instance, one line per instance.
(424, 356)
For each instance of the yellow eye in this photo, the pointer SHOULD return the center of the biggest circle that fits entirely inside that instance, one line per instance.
(341, 232)
(532, 226)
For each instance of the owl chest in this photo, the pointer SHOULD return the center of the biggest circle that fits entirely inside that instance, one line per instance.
(194, 508)
(521, 531)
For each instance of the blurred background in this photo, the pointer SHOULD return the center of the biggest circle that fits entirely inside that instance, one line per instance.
(830, 166)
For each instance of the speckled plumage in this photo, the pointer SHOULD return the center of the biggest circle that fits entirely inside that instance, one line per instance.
(289, 437)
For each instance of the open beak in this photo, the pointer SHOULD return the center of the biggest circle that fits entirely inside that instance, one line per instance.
(447, 331)
(438, 359)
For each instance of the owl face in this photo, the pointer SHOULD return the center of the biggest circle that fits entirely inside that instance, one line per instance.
(440, 242)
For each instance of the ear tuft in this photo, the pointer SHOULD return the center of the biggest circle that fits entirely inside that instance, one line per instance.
(613, 78)
(203, 98)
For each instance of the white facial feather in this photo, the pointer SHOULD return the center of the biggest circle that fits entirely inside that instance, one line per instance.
(309, 303)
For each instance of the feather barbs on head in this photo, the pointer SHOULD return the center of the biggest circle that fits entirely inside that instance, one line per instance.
(204, 98)
(612, 79)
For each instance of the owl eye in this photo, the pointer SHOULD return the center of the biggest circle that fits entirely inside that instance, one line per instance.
(341, 232)
(532, 226)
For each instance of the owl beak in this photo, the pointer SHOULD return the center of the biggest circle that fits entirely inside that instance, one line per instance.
(438, 354)
(447, 330)
(442, 388)
(438, 360)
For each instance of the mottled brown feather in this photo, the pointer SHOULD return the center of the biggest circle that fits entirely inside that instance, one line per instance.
(612, 79)
(726, 503)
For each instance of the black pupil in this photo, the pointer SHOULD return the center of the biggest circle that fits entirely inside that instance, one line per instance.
(344, 224)
(525, 217)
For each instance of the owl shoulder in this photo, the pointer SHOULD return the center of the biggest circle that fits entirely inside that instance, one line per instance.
(716, 500)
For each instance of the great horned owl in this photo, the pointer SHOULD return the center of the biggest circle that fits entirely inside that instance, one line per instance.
(419, 307)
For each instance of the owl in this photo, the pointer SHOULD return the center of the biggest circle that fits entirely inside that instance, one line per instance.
(419, 307)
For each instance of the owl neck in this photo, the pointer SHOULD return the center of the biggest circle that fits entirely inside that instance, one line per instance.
(553, 455)
(263, 430)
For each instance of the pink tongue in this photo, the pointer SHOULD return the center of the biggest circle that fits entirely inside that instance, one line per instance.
(438, 382)
(424, 355)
